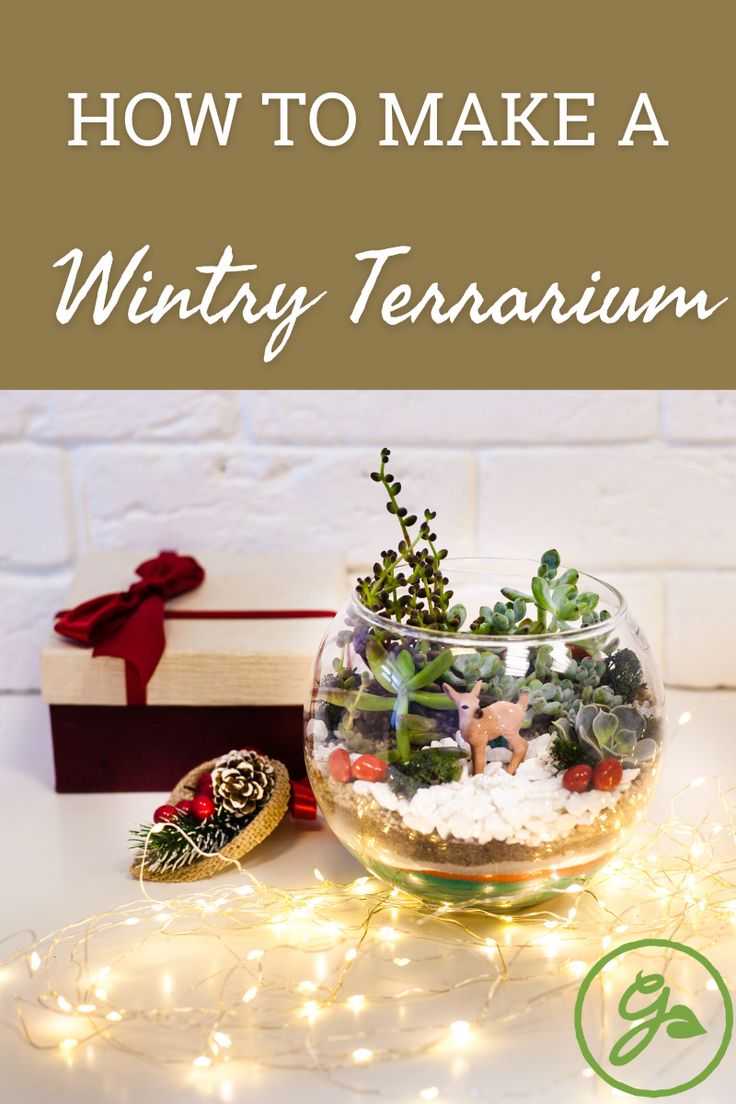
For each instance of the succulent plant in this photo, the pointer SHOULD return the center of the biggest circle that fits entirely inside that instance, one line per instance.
(398, 676)
(614, 733)
(408, 583)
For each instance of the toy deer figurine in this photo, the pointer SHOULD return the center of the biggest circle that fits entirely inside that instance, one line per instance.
(478, 726)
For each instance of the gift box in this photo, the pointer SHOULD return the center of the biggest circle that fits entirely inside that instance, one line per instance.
(236, 651)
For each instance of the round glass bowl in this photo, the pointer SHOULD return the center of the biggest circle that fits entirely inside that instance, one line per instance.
(396, 751)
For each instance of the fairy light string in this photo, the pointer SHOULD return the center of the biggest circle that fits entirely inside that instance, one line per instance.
(339, 977)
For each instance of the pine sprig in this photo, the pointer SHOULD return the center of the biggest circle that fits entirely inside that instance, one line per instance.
(179, 843)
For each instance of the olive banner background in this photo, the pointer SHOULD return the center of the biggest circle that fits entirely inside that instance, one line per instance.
(502, 216)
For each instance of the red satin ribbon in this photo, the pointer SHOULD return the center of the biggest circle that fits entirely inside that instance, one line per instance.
(130, 625)
(303, 803)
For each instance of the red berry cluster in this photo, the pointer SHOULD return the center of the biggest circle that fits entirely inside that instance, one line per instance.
(201, 806)
(368, 768)
(606, 775)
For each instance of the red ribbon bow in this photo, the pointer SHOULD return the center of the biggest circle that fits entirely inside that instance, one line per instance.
(130, 625)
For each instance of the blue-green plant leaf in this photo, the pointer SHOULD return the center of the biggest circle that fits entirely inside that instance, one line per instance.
(405, 665)
(432, 671)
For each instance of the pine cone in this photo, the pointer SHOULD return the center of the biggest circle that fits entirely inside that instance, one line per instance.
(242, 782)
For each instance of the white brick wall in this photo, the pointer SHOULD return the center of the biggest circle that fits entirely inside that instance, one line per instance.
(638, 486)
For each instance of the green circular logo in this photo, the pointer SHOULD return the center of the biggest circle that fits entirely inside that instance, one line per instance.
(679, 1021)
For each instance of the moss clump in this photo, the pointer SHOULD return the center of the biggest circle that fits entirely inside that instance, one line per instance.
(566, 752)
(428, 767)
(625, 675)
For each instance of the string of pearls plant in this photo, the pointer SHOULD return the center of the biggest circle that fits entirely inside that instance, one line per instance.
(340, 978)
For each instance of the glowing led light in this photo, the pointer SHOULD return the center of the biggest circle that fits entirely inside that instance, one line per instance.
(306, 986)
(587, 1072)
(356, 1002)
(571, 914)
(711, 984)
(461, 1032)
(696, 782)
(577, 967)
(430, 1093)
(113, 1017)
(203, 1060)
(244, 891)
(101, 993)
(362, 1054)
(86, 1008)
(63, 1004)
(253, 956)
(685, 717)
(606, 942)
(249, 994)
(389, 934)
(68, 1044)
(34, 961)
(621, 928)
(406, 961)
(103, 972)
(351, 954)
(361, 888)
(222, 1039)
(310, 1010)
(132, 920)
(318, 874)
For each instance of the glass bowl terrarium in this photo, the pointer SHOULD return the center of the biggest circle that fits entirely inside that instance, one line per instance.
(495, 762)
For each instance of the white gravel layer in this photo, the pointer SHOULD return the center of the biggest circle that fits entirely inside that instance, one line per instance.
(530, 807)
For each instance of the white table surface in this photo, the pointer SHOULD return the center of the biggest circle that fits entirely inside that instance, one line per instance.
(70, 861)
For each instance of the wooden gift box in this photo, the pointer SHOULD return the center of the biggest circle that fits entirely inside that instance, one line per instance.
(220, 684)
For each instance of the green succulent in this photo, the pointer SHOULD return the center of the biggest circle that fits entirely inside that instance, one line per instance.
(408, 583)
(616, 733)
(403, 684)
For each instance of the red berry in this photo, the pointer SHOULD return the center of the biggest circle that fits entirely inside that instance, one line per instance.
(184, 806)
(164, 813)
(204, 784)
(202, 807)
(577, 778)
(369, 768)
(338, 764)
(607, 774)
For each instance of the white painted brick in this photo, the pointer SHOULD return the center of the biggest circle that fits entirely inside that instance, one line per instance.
(259, 499)
(699, 415)
(634, 506)
(72, 416)
(450, 418)
(28, 604)
(35, 522)
(701, 613)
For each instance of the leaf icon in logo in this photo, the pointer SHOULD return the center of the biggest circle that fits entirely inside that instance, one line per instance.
(683, 1023)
